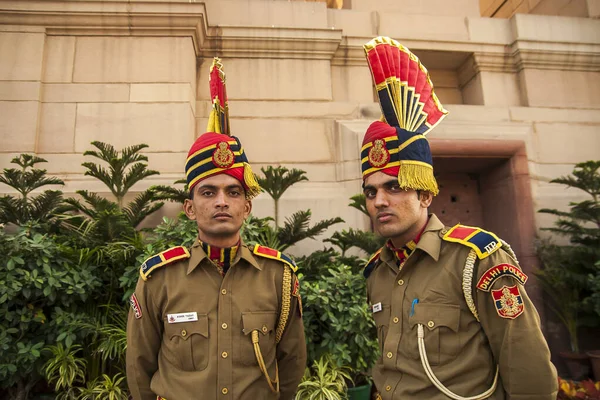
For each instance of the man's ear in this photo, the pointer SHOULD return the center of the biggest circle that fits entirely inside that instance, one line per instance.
(425, 199)
(188, 208)
(247, 208)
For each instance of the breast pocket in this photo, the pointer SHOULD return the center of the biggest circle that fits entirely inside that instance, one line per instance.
(440, 325)
(263, 322)
(187, 343)
(382, 321)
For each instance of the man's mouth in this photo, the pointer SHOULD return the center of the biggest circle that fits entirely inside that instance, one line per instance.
(222, 216)
(384, 217)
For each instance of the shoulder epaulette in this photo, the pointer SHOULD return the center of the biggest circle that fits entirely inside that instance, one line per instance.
(371, 263)
(161, 259)
(267, 252)
(484, 243)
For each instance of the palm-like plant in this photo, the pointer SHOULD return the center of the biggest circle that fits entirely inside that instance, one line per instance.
(108, 220)
(359, 202)
(277, 180)
(163, 192)
(327, 381)
(297, 228)
(24, 180)
(346, 239)
(65, 368)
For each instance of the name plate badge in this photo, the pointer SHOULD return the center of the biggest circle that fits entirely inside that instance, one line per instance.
(182, 317)
(376, 307)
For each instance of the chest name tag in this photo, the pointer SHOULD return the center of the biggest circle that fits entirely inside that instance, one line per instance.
(376, 307)
(182, 317)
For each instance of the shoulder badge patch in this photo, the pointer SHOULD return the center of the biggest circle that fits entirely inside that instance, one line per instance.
(496, 272)
(296, 294)
(508, 302)
(273, 254)
(371, 263)
(135, 306)
(484, 243)
(161, 259)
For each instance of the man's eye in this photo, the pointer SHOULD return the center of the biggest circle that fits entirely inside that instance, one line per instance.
(207, 193)
(370, 194)
(235, 193)
(395, 188)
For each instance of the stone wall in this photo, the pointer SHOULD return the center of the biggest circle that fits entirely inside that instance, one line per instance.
(300, 91)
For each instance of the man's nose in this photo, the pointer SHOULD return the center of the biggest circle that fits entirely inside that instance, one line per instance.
(221, 199)
(381, 200)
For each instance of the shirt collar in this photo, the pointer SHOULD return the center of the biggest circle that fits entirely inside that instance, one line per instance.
(429, 241)
(198, 254)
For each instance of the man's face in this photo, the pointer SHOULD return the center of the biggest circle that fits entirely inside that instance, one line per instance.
(396, 213)
(219, 207)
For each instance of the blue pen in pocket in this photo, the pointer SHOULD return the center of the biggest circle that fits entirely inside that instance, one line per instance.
(412, 307)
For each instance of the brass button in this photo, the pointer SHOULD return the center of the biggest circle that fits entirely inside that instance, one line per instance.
(401, 282)
(223, 291)
(224, 354)
(431, 324)
(395, 320)
(184, 333)
(388, 388)
(224, 391)
(224, 325)
(389, 354)
(265, 329)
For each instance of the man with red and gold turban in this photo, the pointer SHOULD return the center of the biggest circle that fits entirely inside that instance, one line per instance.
(220, 319)
(452, 314)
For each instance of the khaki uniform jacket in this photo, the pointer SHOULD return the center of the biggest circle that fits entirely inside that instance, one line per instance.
(213, 357)
(463, 352)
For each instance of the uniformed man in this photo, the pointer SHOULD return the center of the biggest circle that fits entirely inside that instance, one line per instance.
(452, 314)
(218, 320)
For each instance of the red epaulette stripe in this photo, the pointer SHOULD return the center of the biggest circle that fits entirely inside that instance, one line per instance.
(174, 252)
(461, 232)
(267, 251)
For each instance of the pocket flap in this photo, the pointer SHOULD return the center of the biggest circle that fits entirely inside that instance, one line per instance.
(433, 316)
(185, 330)
(262, 321)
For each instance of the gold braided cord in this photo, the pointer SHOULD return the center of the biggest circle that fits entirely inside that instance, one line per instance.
(467, 282)
(286, 300)
(262, 366)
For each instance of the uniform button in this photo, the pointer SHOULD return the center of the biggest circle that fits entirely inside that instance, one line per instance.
(388, 388)
(224, 391)
(431, 324)
(224, 325)
(401, 282)
(184, 333)
(265, 329)
(223, 291)
(395, 320)
(389, 354)
(224, 354)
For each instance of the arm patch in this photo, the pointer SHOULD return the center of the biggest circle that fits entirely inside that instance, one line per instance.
(484, 243)
(372, 263)
(161, 259)
(273, 254)
(498, 271)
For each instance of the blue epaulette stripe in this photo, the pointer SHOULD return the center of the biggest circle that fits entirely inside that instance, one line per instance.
(151, 262)
(289, 261)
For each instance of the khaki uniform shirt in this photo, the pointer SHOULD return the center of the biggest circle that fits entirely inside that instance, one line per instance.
(463, 353)
(213, 357)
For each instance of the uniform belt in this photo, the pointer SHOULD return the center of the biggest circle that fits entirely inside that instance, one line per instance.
(160, 398)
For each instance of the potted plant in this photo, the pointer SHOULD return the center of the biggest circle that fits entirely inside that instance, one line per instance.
(338, 322)
(570, 271)
(325, 380)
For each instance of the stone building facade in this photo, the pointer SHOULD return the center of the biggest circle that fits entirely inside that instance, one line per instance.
(522, 90)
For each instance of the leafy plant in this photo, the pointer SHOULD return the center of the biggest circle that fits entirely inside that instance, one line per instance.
(325, 380)
(64, 369)
(104, 219)
(38, 276)
(359, 201)
(24, 180)
(338, 321)
(170, 193)
(277, 180)
(570, 272)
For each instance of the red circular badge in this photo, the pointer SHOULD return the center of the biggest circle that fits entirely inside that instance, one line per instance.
(223, 156)
(379, 155)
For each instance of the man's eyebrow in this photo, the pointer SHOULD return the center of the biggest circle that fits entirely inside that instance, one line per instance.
(390, 182)
(368, 187)
(205, 186)
(234, 186)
